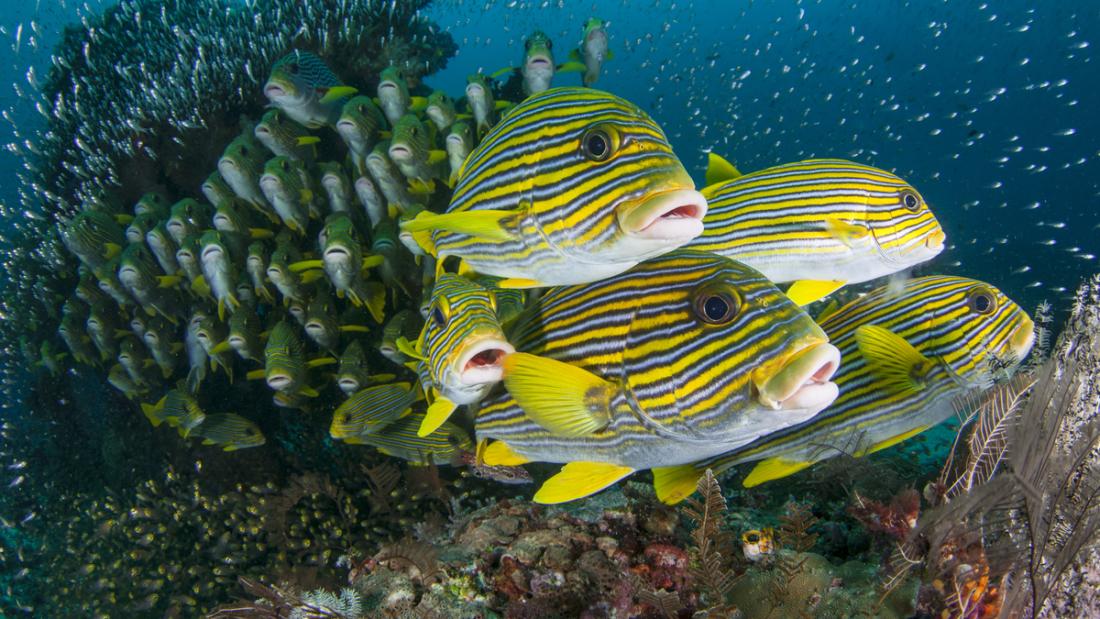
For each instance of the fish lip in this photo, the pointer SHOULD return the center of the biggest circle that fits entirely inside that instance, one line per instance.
(474, 89)
(398, 152)
(482, 362)
(803, 381)
(208, 253)
(269, 182)
(220, 220)
(675, 216)
(540, 61)
(335, 252)
(348, 385)
(278, 382)
(274, 91)
(235, 340)
(1022, 338)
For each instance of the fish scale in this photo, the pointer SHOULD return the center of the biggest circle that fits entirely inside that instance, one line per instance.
(935, 315)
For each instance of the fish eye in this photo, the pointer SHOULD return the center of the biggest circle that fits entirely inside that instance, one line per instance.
(910, 200)
(716, 308)
(596, 145)
(293, 67)
(437, 316)
(362, 109)
(244, 151)
(284, 165)
(982, 301)
(527, 45)
(549, 45)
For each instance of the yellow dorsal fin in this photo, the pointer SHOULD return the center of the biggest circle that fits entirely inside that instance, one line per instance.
(675, 483)
(438, 412)
(498, 453)
(256, 374)
(806, 291)
(110, 250)
(321, 361)
(418, 104)
(482, 224)
(372, 261)
(408, 350)
(306, 140)
(376, 300)
(436, 156)
(124, 219)
(719, 170)
(354, 329)
(577, 480)
(151, 414)
(773, 468)
(308, 391)
(892, 359)
(421, 188)
(846, 232)
(167, 281)
(560, 397)
(305, 265)
(220, 347)
(518, 282)
(338, 92)
(572, 67)
(260, 233)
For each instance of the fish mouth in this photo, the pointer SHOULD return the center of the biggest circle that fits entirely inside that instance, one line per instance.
(388, 87)
(336, 253)
(482, 362)
(127, 273)
(268, 182)
(175, 226)
(673, 216)
(803, 382)
(314, 328)
(348, 385)
(278, 381)
(474, 90)
(212, 252)
(400, 153)
(221, 222)
(227, 164)
(274, 91)
(935, 240)
(1022, 339)
(236, 341)
(134, 235)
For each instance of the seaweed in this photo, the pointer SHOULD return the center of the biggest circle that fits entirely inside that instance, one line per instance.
(665, 602)
(710, 568)
(382, 480)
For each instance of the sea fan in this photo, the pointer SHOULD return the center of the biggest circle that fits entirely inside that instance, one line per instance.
(711, 568)
(420, 560)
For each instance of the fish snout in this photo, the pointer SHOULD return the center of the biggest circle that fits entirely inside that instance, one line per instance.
(803, 381)
(279, 381)
(673, 216)
(1022, 339)
(274, 91)
(348, 385)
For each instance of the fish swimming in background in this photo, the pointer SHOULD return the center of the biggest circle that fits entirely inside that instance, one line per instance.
(462, 344)
(220, 270)
(483, 107)
(820, 223)
(373, 203)
(285, 363)
(306, 89)
(230, 432)
(188, 217)
(359, 126)
(683, 355)
(285, 137)
(370, 410)
(440, 109)
(353, 373)
(593, 50)
(573, 186)
(139, 274)
(411, 148)
(400, 439)
(179, 408)
(216, 189)
(458, 144)
(343, 261)
(908, 356)
(336, 185)
(537, 70)
(393, 95)
(288, 187)
(163, 247)
(240, 166)
(93, 237)
(403, 324)
(390, 181)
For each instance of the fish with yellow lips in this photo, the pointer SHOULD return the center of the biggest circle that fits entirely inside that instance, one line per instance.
(572, 186)
(820, 223)
(683, 355)
(909, 355)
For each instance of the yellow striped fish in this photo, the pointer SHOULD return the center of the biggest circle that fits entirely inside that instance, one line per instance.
(285, 365)
(687, 354)
(907, 357)
(572, 186)
(230, 432)
(462, 344)
(370, 410)
(820, 223)
(401, 440)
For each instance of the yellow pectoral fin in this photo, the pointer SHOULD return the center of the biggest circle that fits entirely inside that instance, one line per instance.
(848, 233)
(502, 105)
(893, 440)
(773, 468)
(518, 282)
(256, 374)
(260, 233)
(338, 92)
(438, 412)
(564, 399)
(418, 104)
(376, 300)
(421, 188)
(572, 67)
(372, 261)
(806, 291)
(498, 453)
(110, 250)
(167, 281)
(675, 483)
(499, 73)
(220, 347)
(354, 329)
(407, 349)
(892, 359)
(308, 392)
(307, 140)
(150, 414)
(320, 361)
(308, 277)
(577, 480)
(482, 224)
(719, 170)
(305, 265)
(436, 157)
(123, 219)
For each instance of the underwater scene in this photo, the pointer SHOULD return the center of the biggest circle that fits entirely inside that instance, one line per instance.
(655, 309)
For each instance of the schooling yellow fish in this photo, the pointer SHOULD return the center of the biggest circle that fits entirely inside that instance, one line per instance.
(572, 186)
(686, 354)
(908, 357)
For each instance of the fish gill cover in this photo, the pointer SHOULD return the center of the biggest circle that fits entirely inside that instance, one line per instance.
(304, 298)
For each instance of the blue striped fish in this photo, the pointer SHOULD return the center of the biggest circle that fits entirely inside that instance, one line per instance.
(303, 87)
(820, 223)
(684, 355)
(462, 344)
(572, 186)
(401, 439)
(908, 356)
(370, 410)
